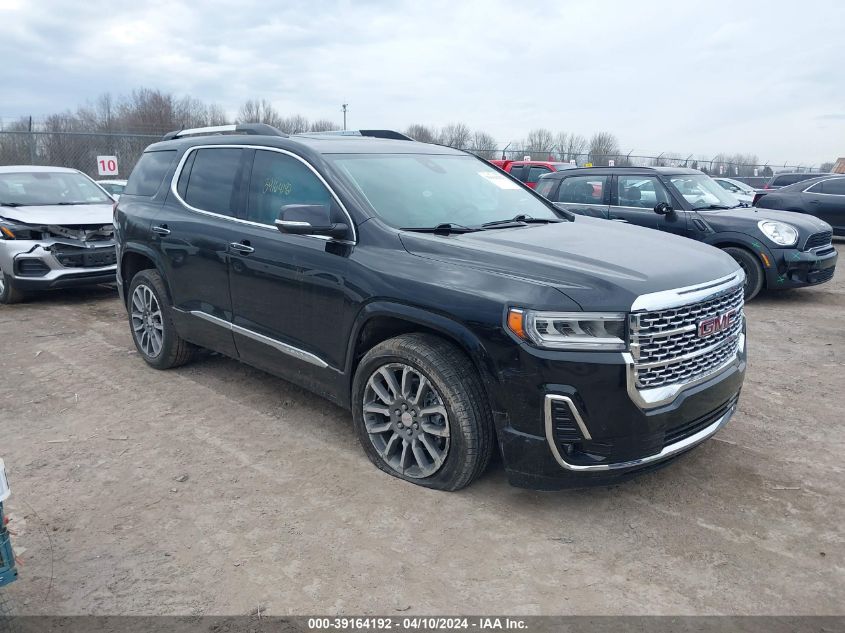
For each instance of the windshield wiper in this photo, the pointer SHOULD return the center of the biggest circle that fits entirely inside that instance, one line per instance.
(445, 228)
(522, 218)
(66, 204)
(714, 206)
(10, 204)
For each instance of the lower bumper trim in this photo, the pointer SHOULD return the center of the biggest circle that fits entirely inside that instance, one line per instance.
(667, 452)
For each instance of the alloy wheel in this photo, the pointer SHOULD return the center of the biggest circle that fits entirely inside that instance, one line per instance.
(406, 420)
(147, 326)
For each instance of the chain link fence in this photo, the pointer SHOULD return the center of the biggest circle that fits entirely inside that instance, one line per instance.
(80, 150)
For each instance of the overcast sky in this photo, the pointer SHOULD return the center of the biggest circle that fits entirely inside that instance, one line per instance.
(689, 77)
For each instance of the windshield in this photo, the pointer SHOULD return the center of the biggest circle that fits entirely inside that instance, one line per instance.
(423, 190)
(46, 188)
(702, 192)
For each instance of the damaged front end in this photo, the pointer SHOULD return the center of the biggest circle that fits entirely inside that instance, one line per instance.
(41, 256)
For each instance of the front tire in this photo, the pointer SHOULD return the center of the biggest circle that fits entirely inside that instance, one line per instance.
(754, 275)
(421, 412)
(151, 323)
(8, 293)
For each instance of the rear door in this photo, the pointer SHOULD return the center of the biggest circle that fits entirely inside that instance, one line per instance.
(193, 233)
(584, 195)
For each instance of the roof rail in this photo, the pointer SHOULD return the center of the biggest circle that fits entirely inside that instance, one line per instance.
(391, 134)
(239, 128)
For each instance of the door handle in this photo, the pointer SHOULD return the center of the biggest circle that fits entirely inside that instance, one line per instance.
(161, 230)
(242, 247)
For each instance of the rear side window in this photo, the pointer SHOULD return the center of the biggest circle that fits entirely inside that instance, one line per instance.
(517, 171)
(835, 186)
(582, 190)
(211, 182)
(149, 173)
(278, 180)
(545, 186)
(534, 173)
(790, 179)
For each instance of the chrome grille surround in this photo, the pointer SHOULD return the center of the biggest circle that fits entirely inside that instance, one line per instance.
(667, 355)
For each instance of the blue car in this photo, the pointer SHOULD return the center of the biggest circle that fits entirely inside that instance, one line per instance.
(8, 572)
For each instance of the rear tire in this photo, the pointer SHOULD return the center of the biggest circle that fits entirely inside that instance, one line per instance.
(446, 448)
(753, 269)
(8, 293)
(151, 323)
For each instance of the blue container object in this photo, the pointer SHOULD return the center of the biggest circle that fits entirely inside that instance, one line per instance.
(8, 571)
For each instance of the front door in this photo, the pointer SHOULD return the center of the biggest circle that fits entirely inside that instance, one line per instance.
(634, 198)
(288, 291)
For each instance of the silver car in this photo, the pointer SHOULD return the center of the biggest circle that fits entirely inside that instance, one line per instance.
(56, 229)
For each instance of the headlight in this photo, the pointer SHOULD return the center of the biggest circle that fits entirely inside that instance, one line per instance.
(602, 331)
(780, 233)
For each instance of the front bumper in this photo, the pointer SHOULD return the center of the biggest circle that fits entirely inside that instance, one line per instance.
(570, 419)
(795, 269)
(47, 264)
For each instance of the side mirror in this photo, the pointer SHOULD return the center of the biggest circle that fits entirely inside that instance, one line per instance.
(663, 208)
(310, 219)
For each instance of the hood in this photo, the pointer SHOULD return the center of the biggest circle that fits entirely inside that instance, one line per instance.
(70, 215)
(599, 264)
(744, 218)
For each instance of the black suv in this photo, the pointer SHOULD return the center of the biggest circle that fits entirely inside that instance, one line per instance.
(442, 301)
(776, 249)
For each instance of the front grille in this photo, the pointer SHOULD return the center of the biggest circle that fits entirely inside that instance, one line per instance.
(86, 258)
(686, 429)
(666, 345)
(823, 275)
(818, 239)
(30, 267)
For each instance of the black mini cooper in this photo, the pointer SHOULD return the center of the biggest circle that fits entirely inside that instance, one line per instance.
(776, 249)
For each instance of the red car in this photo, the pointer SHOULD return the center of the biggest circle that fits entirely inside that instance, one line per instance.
(529, 171)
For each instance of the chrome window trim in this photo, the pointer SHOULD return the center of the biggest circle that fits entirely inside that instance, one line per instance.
(666, 453)
(290, 350)
(176, 174)
(666, 299)
(822, 193)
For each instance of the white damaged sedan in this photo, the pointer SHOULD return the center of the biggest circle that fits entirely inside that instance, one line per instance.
(56, 229)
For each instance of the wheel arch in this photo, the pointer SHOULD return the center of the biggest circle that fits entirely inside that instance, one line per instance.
(754, 246)
(382, 320)
(133, 260)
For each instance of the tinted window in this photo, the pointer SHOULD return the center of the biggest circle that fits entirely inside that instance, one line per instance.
(790, 179)
(182, 185)
(278, 180)
(211, 183)
(582, 190)
(545, 186)
(534, 173)
(640, 191)
(836, 186)
(517, 172)
(149, 172)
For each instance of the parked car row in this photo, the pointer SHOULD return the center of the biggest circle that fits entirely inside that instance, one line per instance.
(776, 249)
(454, 310)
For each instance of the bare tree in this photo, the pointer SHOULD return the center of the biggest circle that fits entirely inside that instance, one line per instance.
(259, 111)
(217, 115)
(323, 125)
(422, 133)
(484, 145)
(573, 147)
(603, 146)
(294, 124)
(456, 135)
(826, 167)
(539, 142)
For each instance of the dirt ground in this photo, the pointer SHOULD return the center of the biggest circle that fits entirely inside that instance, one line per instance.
(215, 488)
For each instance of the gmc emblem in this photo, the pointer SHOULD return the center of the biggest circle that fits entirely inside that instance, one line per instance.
(715, 324)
